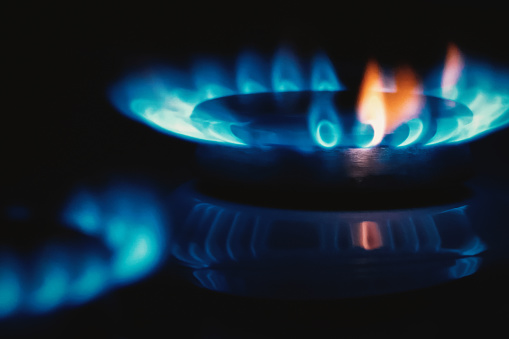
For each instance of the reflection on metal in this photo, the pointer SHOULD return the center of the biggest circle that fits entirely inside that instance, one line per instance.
(384, 168)
(367, 235)
(128, 227)
(245, 250)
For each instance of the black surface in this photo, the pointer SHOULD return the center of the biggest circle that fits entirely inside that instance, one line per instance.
(60, 129)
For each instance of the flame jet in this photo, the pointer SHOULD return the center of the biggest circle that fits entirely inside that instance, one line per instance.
(384, 113)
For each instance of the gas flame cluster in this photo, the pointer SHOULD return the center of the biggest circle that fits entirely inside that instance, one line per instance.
(129, 228)
(386, 113)
(165, 99)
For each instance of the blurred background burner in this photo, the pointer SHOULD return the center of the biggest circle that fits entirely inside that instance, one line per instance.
(313, 140)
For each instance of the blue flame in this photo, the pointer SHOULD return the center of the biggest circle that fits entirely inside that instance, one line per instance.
(323, 75)
(416, 128)
(250, 70)
(485, 90)
(130, 224)
(127, 220)
(165, 99)
(10, 285)
(92, 280)
(286, 72)
(324, 123)
(51, 283)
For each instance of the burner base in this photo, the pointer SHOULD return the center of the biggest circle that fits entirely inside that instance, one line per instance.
(378, 168)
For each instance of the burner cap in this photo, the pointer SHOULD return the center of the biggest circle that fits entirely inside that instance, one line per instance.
(309, 119)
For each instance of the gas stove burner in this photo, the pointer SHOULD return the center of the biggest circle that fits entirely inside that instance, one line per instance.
(274, 125)
(278, 124)
(167, 98)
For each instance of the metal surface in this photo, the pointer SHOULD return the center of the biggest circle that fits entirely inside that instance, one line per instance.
(383, 168)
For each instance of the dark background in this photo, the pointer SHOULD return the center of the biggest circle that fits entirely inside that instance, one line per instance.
(59, 128)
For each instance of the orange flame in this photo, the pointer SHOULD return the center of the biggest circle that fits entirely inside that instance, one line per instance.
(406, 103)
(371, 105)
(452, 70)
(386, 111)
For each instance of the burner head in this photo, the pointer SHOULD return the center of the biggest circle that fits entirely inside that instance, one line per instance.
(379, 168)
(281, 104)
(310, 120)
(290, 150)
